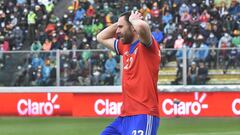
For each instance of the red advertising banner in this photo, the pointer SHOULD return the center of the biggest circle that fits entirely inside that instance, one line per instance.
(187, 104)
(97, 104)
(36, 104)
(212, 104)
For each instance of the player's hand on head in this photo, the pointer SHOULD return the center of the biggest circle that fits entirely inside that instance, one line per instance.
(135, 15)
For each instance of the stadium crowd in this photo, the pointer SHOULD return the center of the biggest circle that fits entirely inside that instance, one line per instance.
(199, 26)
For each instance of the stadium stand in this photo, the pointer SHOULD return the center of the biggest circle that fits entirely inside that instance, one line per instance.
(64, 50)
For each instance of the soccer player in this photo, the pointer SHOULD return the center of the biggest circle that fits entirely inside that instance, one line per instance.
(141, 59)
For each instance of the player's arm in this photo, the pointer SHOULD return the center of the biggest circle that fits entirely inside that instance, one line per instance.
(141, 27)
(106, 36)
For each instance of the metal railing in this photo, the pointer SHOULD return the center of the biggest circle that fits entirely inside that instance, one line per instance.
(93, 67)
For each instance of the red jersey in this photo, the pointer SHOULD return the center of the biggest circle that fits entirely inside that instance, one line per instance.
(140, 76)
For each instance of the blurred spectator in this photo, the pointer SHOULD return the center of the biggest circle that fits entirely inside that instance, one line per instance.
(110, 71)
(79, 14)
(204, 17)
(228, 23)
(223, 9)
(145, 10)
(225, 39)
(202, 73)
(170, 28)
(21, 2)
(46, 70)
(36, 62)
(186, 18)
(188, 41)
(236, 38)
(18, 37)
(90, 11)
(212, 40)
(231, 58)
(55, 44)
(194, 9)
(158, 35)
(234, 9)
(31, 17)
(203, 49)
(4, 47)
(167, 17)
(36, 46)
(212, 62)
(47, 45)
(38, 80)
(179, 42)
(184, 9)
(75, 5)
(50, 28)
(67, 43)
(155, 12)
(192, 73)
(179, 58)
(109, 19)
(49, 6)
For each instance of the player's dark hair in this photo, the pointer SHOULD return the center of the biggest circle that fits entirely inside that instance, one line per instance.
(126, 16)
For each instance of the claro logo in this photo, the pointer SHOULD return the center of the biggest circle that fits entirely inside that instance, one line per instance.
(30, 107)
(178, 107)
(107, 107)
(236, 106)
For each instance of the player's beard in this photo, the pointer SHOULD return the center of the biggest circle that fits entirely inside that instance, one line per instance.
(127, 37)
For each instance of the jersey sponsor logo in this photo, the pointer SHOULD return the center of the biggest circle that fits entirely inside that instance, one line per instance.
(107, 107)
(236, 106)
(178, 107)
(30, 107)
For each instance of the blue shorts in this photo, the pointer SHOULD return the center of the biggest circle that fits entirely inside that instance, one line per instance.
(133, 125)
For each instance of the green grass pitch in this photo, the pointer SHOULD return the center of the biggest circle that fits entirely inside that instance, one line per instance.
(93, 126)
